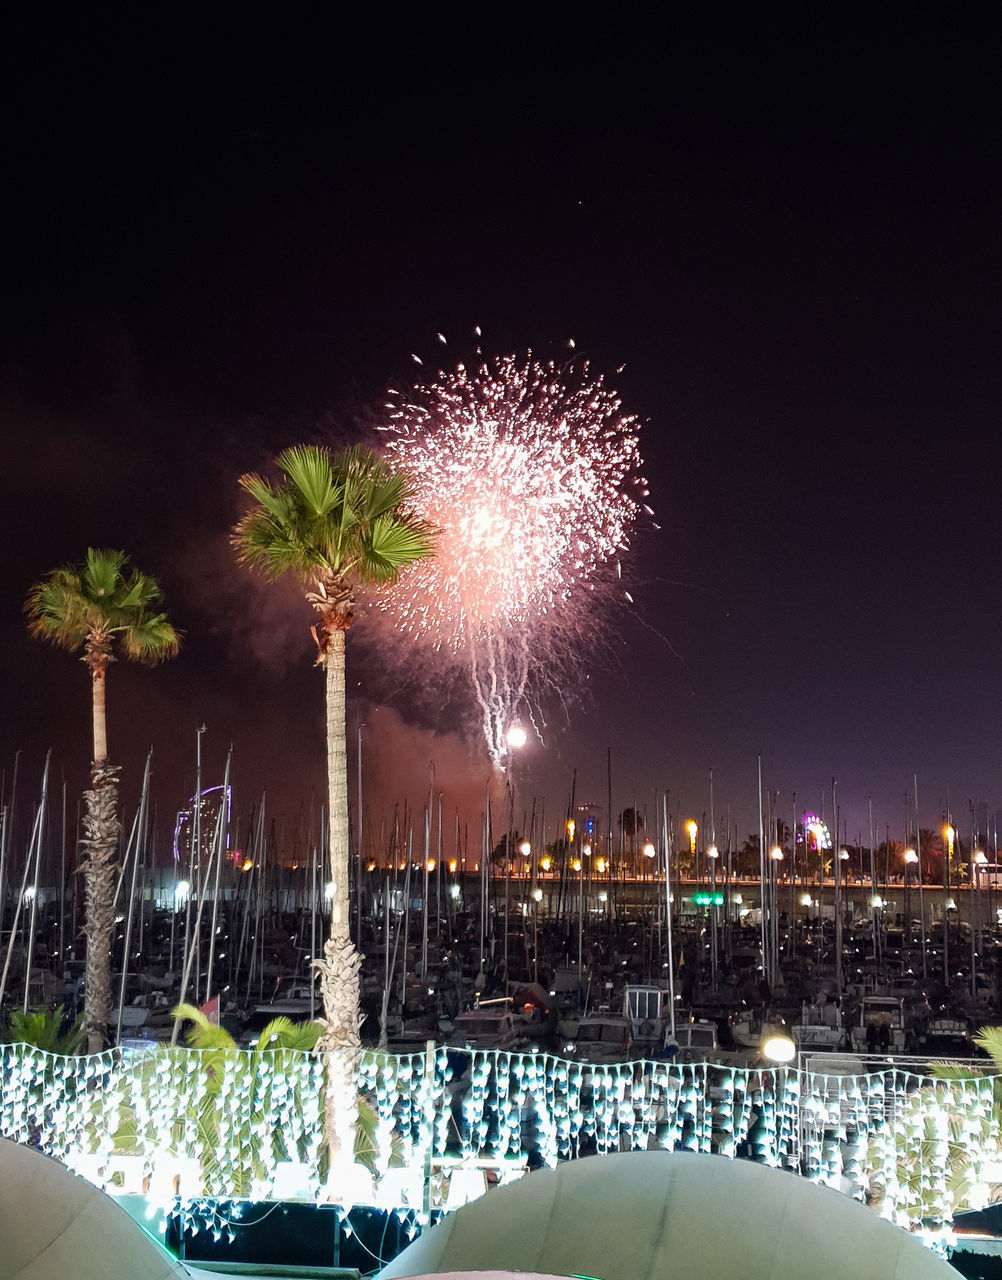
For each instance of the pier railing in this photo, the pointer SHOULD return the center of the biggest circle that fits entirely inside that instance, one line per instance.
(248, 1125)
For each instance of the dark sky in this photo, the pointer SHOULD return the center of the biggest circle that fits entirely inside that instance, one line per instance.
(221, 239)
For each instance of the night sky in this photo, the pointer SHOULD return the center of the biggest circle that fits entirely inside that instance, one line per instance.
(222, 239)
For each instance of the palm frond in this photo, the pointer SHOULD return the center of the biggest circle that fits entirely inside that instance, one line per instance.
(58, 611)
(202, 1034)
(394, 543)
(73, 605)
(341, 514)
(102, 575)
(151, 640)
(990, 1039)
(310, 474)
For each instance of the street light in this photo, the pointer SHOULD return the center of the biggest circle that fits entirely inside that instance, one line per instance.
(978, 860)
(778, 1047)
(516, 737)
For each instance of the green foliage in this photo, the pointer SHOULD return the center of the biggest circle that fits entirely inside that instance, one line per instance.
(990, 1039)
(279, 1033)
(102, 598)
(945, 1129)
(44, 1029)
(341, 516)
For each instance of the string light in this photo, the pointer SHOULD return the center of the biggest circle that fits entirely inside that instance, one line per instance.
(210, 1128)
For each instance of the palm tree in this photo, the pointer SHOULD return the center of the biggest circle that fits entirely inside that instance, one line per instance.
(339, 523)
(98, 606)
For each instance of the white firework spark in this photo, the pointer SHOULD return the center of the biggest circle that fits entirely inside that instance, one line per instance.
(532, 473)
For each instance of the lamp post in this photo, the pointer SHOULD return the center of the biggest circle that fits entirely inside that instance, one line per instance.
(775, 858)
(950, 832)
(843, 857)
(978, 860)
(910, 858)
(712, 854)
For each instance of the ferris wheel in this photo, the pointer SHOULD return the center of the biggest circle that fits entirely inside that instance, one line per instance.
(816, 832)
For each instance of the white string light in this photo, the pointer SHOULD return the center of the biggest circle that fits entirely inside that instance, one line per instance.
(212, 1126)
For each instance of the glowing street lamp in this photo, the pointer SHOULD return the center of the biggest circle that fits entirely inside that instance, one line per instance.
(692, 829)
(713, 852)
(649, 850)
(516, 737)
(778, 1047)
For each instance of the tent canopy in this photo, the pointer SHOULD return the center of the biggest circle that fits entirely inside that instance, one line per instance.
(646, 1214)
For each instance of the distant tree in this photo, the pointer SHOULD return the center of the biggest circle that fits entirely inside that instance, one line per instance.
(100, 606)
(932, 856)
(745, 862)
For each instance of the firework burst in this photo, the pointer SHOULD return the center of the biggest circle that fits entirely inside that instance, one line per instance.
(531, 472)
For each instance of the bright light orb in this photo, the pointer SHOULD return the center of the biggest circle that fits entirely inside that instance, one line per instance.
(516, 737)
(778, 1047)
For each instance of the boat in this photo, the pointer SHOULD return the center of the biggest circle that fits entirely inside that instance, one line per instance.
(601, 1037)
(649, 1011)
(948, 1034)
(692, 1042)
(818, 1027)
(508, 1022)
(881, 1026)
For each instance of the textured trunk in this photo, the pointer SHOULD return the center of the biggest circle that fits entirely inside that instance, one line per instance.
(98, 681)
(99, 847)
(339, 970)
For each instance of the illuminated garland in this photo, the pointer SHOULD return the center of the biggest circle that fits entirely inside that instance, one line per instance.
(212, 1126)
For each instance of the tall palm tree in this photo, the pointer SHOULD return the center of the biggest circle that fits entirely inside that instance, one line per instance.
(339, 523)
(99, 606)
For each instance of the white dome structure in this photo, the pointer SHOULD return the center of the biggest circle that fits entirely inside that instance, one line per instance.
(56, 1226)
(646, 1214)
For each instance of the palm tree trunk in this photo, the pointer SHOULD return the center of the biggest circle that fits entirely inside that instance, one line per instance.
(339, 970)
(99, 845)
